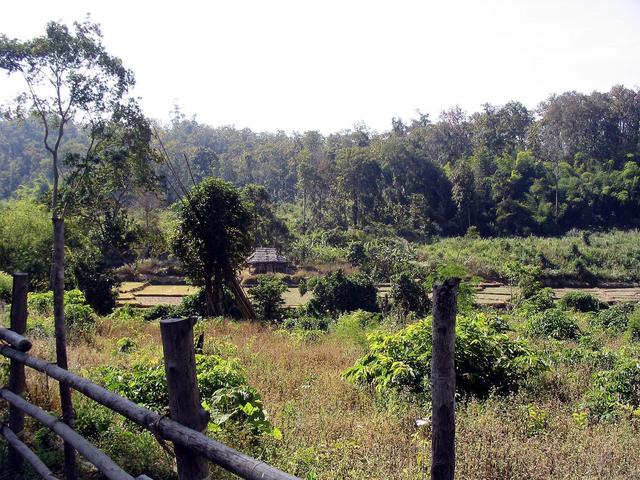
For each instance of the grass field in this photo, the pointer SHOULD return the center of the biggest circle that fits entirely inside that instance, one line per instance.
(335, 430)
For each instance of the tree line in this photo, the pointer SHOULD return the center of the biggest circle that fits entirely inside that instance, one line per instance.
(505, 170)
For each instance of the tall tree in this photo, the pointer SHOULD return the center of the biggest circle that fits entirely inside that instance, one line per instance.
(213, 237)
(69, 76)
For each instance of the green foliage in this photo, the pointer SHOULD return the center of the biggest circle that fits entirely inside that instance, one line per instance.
(540, 301)
(613, 319)
(267, 297)
(616, 391)
(337, 293)
(158, 312)
(222, 383)
(79, 317)
(409, 295)
(466, 288)
(126, 345)
(386, 257)
(485, 360)
(581, 302)
(356, 254)
(356, 326)
(633, 326)
(213, 236)
(525, 277)
(6, 287)
(553, 323)
(25, 240)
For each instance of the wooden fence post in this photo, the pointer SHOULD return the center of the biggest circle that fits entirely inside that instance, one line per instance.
(184, 396)
(443, 380)
(16, 373)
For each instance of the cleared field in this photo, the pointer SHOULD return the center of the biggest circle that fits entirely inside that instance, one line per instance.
(131, 286)
(167, 291)
(292, 297)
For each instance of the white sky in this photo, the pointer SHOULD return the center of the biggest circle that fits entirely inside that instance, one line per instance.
(303, 65)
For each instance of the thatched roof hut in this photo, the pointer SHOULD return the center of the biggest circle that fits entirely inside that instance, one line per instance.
(268, 260)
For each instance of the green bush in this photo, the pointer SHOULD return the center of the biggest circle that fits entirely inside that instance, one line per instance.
(126, 345)
(538, 302)
(79, 318)
(337, 293)
(356, 326)
(40, 303)
(614, 391)
(158, 312)
(222, 383)
(553, 323)
(267, 297)
(485, 360)
(6, 287)
(633, 326)
(409, 295)
(613, 319)
(581, 302)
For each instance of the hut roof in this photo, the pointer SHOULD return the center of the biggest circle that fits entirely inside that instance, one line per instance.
(266, 255)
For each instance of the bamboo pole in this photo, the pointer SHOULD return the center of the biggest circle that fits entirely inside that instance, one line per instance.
(25, 452)
(101, 461)
(14, 339)
(443, 380)
(184, 397)
(16, 373)
(223, 456)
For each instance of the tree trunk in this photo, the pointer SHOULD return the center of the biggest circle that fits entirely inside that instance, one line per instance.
(210, 305)
(57, 285)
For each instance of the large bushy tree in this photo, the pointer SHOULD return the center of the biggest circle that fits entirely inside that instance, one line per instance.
(213, 237)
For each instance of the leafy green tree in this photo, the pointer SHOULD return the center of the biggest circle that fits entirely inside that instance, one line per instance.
(69, 75)
(409, 295)
(213, 237)
(267, 297)
(337, 293)
(268, 230)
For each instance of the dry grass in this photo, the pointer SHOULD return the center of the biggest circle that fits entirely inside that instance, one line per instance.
(334, 430)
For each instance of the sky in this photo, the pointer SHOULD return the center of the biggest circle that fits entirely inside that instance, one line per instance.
(299, 65)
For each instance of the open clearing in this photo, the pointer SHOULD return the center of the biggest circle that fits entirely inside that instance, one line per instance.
(143, 295)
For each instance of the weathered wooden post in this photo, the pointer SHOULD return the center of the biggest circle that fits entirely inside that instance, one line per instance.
(443, 380)
(16, 372)
(184, 396)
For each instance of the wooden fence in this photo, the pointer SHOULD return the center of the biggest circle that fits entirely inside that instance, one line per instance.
(192, 448)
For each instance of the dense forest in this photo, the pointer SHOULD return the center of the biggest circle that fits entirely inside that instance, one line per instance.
(573, 162)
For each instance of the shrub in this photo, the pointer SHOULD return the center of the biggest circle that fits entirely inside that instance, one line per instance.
(40, 303)
(356, 254)
(614, 319)
(613, 391)
(634, 324)
(158, 312)
(306, 322)
(540, 301)
(6, 287)
(126, 345)
(267, 297)
(485, 360)
(354, 327)
(78, 317)
(581, 302)
(222, 383)
(337, 293)
(409, 295)
(553, 323)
